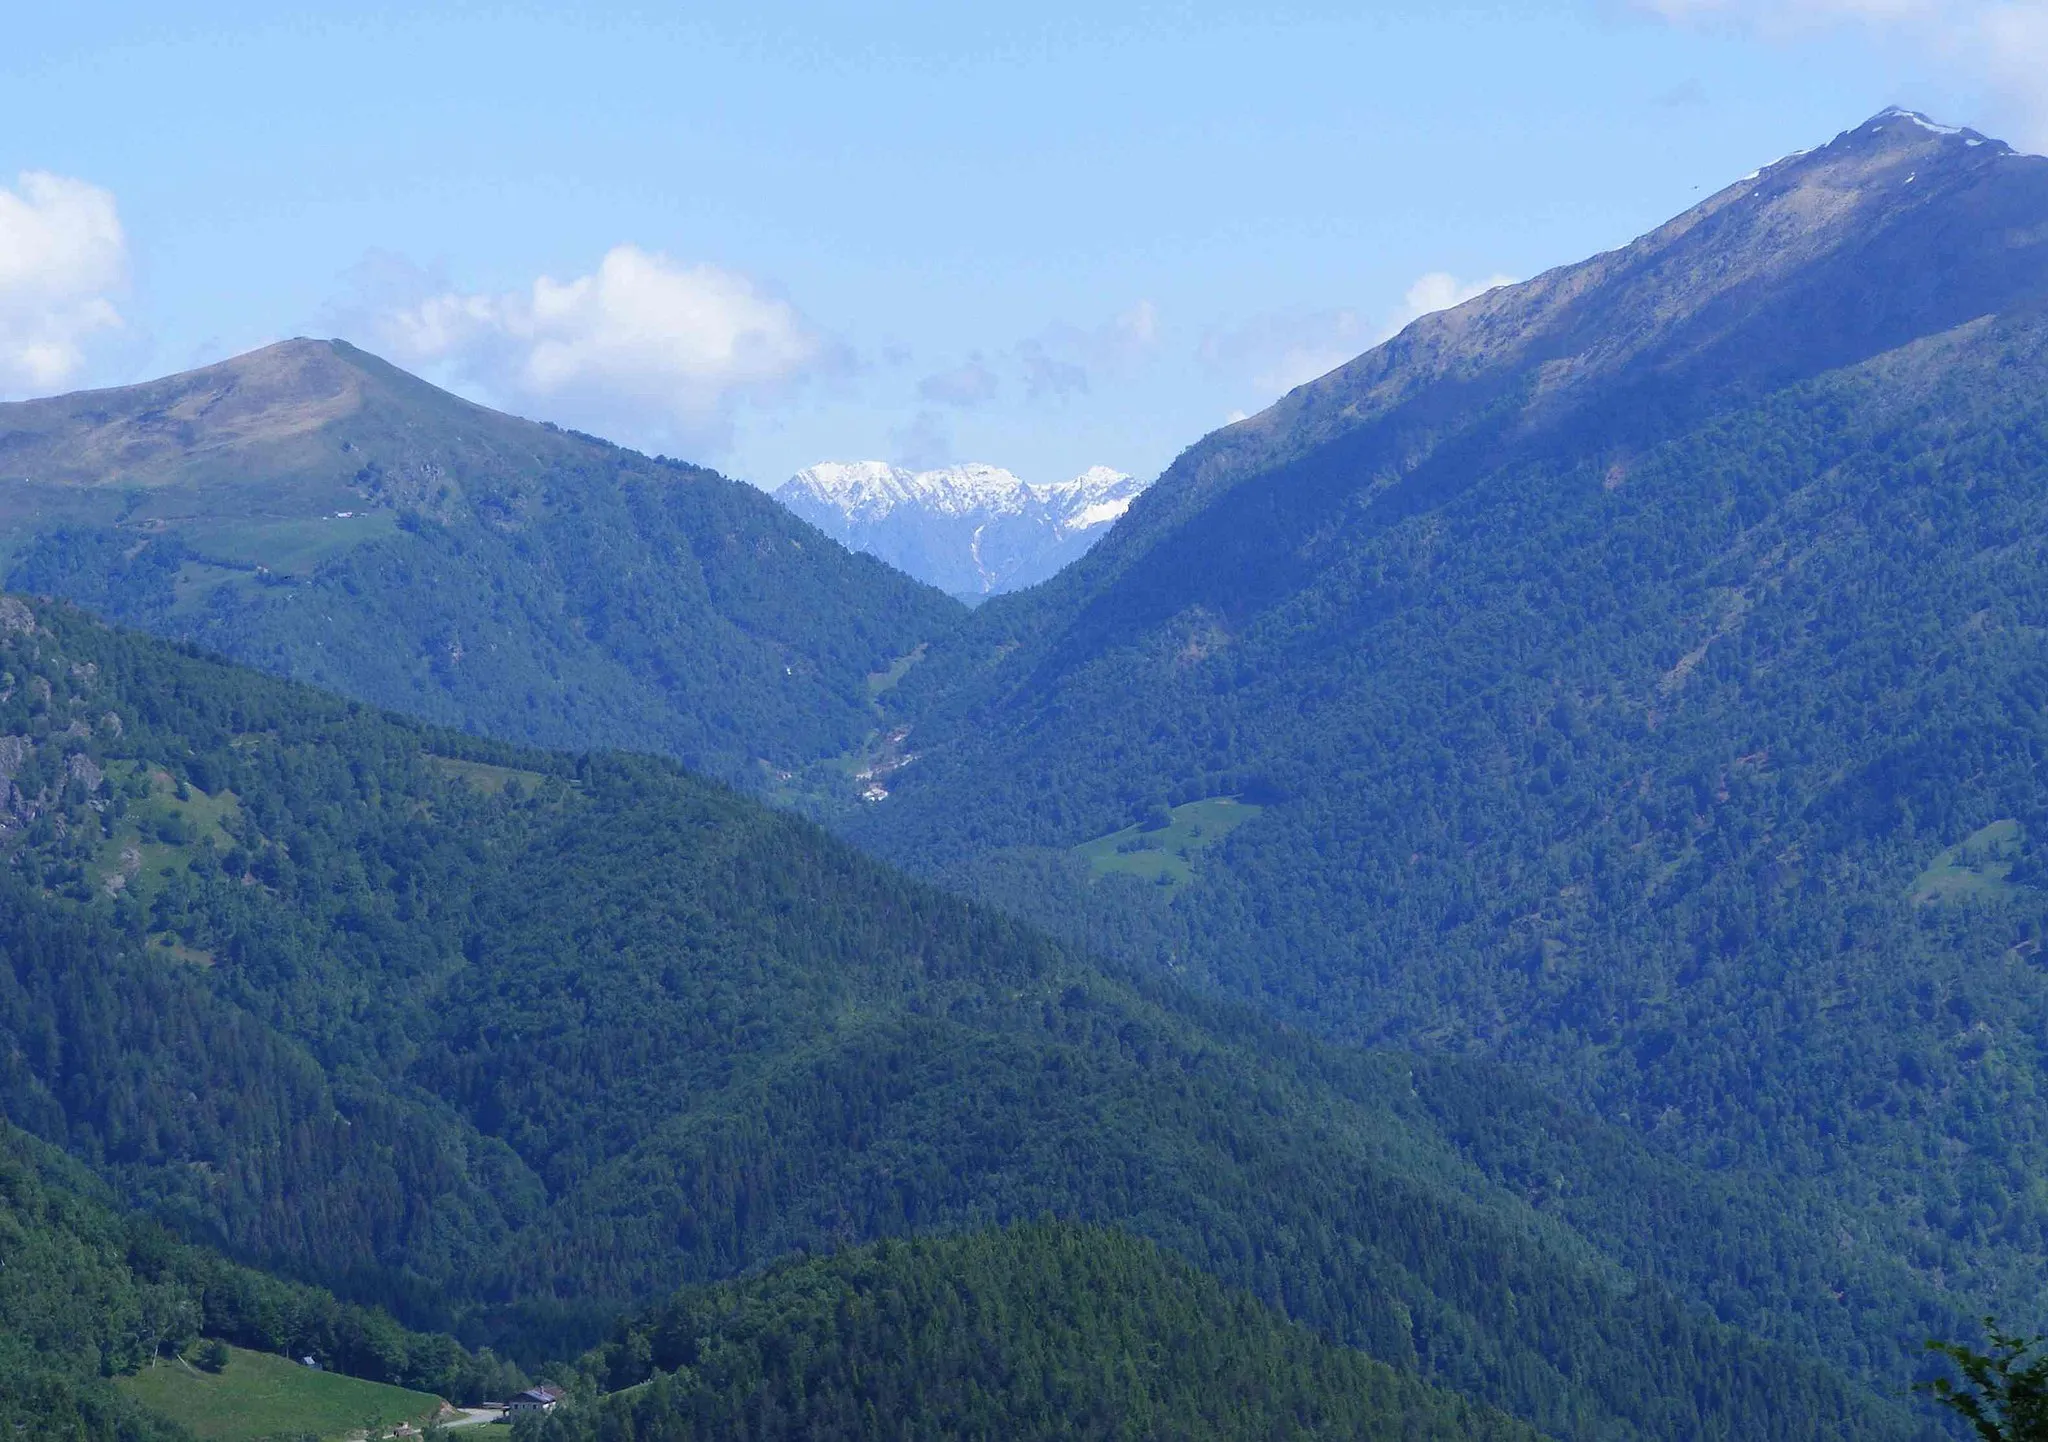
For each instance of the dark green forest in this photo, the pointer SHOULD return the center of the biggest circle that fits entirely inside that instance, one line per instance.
(1705, 787)
(504, 1041)
(1035, 1331)
(88, 1292)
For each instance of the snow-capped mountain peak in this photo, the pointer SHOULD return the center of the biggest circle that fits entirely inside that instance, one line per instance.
(873, 489)
(1095, 498)
(971, 529)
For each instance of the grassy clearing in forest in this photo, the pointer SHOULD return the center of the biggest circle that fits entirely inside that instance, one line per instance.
(882, 682)
(259, 1395)
(1166, 856)
(485, 777)
(157, 829)
(1975, 867)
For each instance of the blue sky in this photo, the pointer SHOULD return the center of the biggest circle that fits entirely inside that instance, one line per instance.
(765, 234)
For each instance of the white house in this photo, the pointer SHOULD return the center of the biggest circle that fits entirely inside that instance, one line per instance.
(534, 1399)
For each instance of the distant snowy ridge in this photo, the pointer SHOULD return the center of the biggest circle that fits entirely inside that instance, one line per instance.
(973, 530)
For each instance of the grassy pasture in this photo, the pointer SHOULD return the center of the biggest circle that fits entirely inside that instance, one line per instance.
(261, 1396)
(1975, 867)
(159, 830)
(880, 683)
(485, 777)
(290, 545)
(227, 552)
(1166, 857)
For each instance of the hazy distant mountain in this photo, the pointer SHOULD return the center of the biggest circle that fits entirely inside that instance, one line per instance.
(971, 530)
(314, 511)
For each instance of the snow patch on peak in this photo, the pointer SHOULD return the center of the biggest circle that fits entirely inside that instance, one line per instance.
(848, 475)
(975, 485)
(1898, 112)
(1781, 160)
(1095, 478)
(853, 483)
(971, 529)
(1101, 513)
(872, 489)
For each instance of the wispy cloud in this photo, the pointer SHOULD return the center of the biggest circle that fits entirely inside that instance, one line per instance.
(1791, 15)
(2000, 45)
(643, 346)
(1686, 95)
(924, 442)
(63, 261)
(1048, 376)
(1064, 360)
(971, 383)
(1283, 349)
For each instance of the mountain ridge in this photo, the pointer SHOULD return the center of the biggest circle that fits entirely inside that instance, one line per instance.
(313, 510)
(1631, 680)
(1637, 672)
(1514, 365)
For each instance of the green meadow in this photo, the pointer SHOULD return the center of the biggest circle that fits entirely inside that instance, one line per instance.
(1166, 855)
(261, 1396)
(1976, 867)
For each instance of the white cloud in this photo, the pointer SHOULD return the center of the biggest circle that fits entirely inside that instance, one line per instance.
(63, 259)
(2000, 46)
(1136, 330)
(1283, 350)
(644, 345)
(1440, 290)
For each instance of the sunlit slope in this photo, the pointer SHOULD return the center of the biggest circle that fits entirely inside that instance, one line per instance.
(320, 514)
(1641, 674)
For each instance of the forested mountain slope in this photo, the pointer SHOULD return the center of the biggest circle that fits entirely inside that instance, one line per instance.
(508, 1040)
(88, 1294)
(1038, 1331)
(315, 512)
(1637, 675)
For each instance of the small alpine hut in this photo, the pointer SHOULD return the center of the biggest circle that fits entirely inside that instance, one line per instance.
(534, 1399)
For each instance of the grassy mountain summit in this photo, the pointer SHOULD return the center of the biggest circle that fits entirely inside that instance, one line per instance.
(314, 511)
(1639, 676)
